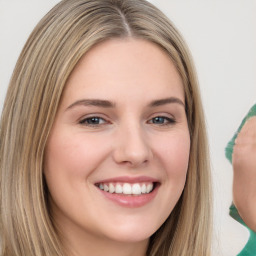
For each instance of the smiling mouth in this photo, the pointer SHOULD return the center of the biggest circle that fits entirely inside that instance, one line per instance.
(134, 189)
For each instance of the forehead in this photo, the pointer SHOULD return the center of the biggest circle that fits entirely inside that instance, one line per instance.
(124, 64)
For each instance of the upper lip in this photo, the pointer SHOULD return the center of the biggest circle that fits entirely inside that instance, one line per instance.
(128, 179)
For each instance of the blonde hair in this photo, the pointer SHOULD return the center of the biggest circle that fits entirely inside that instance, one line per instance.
(52, 51)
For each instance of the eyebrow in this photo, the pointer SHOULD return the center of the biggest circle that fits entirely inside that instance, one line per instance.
(109, 104)
(165, 101)
(92, 102)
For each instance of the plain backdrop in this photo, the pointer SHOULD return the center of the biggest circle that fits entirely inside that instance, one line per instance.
(221, 35)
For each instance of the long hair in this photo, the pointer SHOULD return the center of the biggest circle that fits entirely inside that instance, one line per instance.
(52, 51)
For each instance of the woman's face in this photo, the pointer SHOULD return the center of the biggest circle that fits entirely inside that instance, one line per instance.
(117, 156)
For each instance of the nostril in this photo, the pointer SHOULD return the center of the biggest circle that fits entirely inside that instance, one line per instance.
(132, 147)
(131, 158)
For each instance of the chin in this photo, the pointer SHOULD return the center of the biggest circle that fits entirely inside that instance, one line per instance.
(133, 233)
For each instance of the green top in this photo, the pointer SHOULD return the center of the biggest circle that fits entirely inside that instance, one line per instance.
(250, 247)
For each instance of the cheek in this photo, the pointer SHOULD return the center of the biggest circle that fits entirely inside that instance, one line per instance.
(70, 155)
(69, 162)
(174, 153)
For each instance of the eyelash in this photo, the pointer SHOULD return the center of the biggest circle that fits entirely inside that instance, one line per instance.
(166, 120)
(92, 119)
(96, 121)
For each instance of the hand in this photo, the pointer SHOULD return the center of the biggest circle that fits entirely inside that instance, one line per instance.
(244, 166)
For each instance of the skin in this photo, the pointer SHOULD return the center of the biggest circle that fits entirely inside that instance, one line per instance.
(127, 140)
(244, 166)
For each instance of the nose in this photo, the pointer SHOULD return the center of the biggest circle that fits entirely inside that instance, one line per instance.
(132, 147)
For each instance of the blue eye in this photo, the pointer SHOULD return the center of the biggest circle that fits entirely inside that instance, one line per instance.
(162, 120)
(93, 121)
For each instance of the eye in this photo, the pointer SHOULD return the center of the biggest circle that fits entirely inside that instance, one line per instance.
(93, 121)
(162, 120)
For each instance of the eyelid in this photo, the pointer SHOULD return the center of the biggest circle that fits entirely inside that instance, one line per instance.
(170, 120)
(83, 120)
(162, 114)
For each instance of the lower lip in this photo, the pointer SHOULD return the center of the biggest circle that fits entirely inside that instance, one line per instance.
(131, 201)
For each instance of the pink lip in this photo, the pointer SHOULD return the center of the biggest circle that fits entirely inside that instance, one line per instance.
(128, 179)
(131, 201)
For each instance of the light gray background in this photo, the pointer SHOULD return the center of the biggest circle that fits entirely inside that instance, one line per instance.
(222, 37)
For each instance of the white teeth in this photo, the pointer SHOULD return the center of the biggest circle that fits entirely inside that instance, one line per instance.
(119, 189)
(136, 189)
(143, 189)
(127, 188)
(105, 187)
(111, 188)
(149, 188)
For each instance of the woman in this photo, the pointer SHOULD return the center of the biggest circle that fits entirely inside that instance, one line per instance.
(89, 161)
